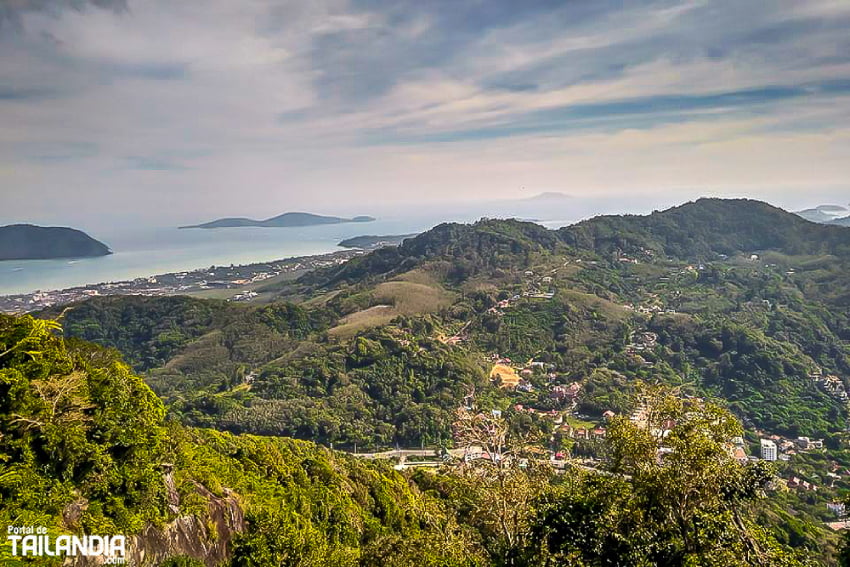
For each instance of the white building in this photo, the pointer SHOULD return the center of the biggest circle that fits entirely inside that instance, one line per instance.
(768, 450)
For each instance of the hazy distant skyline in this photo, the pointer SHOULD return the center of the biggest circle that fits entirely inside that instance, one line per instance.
(186, 110)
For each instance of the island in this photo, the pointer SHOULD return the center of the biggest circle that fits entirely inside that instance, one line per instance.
(370, 241)
(549, 196)
(825, 214)
(31, 242)
(280, 221)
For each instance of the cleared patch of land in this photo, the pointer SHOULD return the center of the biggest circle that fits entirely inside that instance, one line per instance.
(394, 298)
(607, 308)
(265, 289)
(505, 376)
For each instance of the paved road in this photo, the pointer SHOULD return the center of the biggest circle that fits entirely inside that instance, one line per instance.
(400, 453)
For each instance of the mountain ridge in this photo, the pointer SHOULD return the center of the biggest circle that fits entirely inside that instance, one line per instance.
(702, 229)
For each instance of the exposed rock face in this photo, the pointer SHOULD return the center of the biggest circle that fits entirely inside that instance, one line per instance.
(205, 537)
(73, 512)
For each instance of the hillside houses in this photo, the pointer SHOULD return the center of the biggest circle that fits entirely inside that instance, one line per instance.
(641, 342)
(832, 384)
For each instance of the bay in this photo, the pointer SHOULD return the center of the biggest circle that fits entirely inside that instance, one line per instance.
(145, 251)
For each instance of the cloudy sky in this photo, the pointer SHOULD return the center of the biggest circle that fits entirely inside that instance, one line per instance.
(193, 109)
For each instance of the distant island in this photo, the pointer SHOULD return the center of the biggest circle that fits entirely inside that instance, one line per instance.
(370, 241)
(827, 214)
(30, 242)
(549, 196)
(280, 221)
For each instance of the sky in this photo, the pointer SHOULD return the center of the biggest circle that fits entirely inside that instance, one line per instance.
(157, 110)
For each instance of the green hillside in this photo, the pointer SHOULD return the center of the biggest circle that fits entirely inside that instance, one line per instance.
(85, 449)
(735, 301)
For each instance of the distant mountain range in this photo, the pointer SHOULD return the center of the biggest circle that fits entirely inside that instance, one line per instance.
(827, 214)
(280, 221)
(30, 242)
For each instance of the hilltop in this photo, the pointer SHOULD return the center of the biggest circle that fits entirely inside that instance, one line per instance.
(708, 228)
(30, 242)
(280, 221)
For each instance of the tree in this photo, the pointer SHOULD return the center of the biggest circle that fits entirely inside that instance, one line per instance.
(673, 495)
(500, 482)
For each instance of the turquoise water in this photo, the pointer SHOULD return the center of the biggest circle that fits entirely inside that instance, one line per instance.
(141, 251)
(145, 251)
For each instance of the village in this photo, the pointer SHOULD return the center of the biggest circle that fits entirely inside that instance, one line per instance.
(242, 280)
(568, 427)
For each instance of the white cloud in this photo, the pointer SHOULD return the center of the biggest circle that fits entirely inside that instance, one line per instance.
(242, 99)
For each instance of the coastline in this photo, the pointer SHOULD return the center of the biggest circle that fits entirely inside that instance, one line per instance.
(233, 282)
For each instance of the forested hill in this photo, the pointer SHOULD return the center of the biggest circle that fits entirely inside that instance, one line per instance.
(707, 228)
(465, 250)
(700, 230)
(30, 242)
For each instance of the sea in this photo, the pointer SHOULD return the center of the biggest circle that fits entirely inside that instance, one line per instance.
(141, 251)
(147, 250)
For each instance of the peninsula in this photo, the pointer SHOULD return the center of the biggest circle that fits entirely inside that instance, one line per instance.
(31, 242)
(280, 221)
(370, 242)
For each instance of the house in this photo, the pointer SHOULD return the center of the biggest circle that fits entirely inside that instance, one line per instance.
(739, 455)
(608, 414)
(836, 508)
(806, 443)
